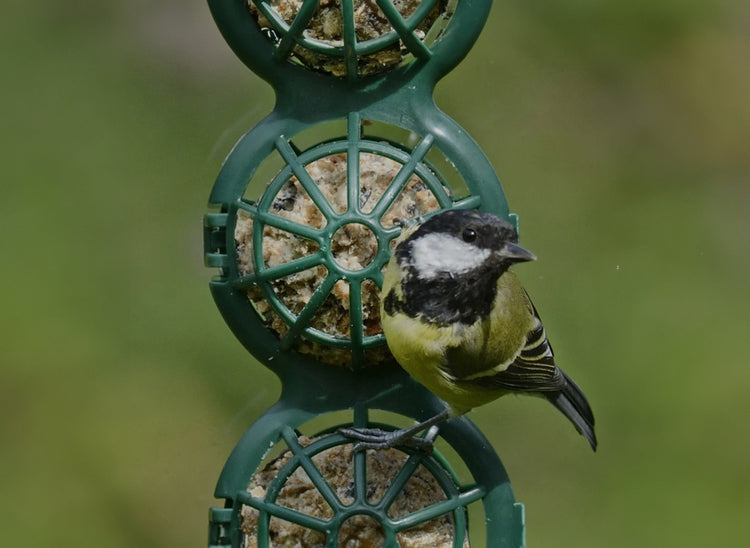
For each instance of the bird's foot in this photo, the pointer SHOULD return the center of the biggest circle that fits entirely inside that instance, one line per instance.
(375, 438)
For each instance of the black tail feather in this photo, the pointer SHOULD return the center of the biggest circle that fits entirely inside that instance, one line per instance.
(572, 403)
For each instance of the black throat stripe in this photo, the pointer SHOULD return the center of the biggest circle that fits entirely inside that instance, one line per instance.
(445, 300)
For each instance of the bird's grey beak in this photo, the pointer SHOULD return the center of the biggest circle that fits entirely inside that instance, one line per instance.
(516, 253)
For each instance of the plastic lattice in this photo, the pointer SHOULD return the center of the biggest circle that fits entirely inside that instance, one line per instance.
(378, 86)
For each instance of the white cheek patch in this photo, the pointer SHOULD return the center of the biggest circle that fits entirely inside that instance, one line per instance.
(433, 254)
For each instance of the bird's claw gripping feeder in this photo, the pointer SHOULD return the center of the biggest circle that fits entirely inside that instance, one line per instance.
(304, 212)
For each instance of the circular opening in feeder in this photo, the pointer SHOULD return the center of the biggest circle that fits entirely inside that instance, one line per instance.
(395, 485)
(352, 37)
(354, 246)
(297, 275)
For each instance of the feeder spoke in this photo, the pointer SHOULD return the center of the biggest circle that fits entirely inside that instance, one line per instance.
(292, 267)
(360, 476)
(307, 182)
(470, 202)
(283, 512)
(402, 177)
(298, 26)
(281, 223)
(471, 493)
(459, 527)
(406, 472)
(350, 39)
(280, 271)
(392, 232)
(438, 189)
(290, 437)
(403, 29)
(361, 415)
(354, 129)
(264, 6)
(303, 318)
(435, 510)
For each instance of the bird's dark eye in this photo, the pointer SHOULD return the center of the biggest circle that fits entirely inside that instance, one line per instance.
(469, 235)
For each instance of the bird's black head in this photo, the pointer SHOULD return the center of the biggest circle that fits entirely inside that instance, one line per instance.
(454, 243)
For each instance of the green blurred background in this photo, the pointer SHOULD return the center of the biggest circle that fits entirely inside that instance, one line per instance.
(621, 131)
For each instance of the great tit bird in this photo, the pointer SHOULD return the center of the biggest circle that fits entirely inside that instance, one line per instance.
(458, 320)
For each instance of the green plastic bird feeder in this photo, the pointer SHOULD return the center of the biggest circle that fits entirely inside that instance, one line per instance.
(354, 85)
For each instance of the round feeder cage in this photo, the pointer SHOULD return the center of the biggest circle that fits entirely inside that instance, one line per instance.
(302, 224)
